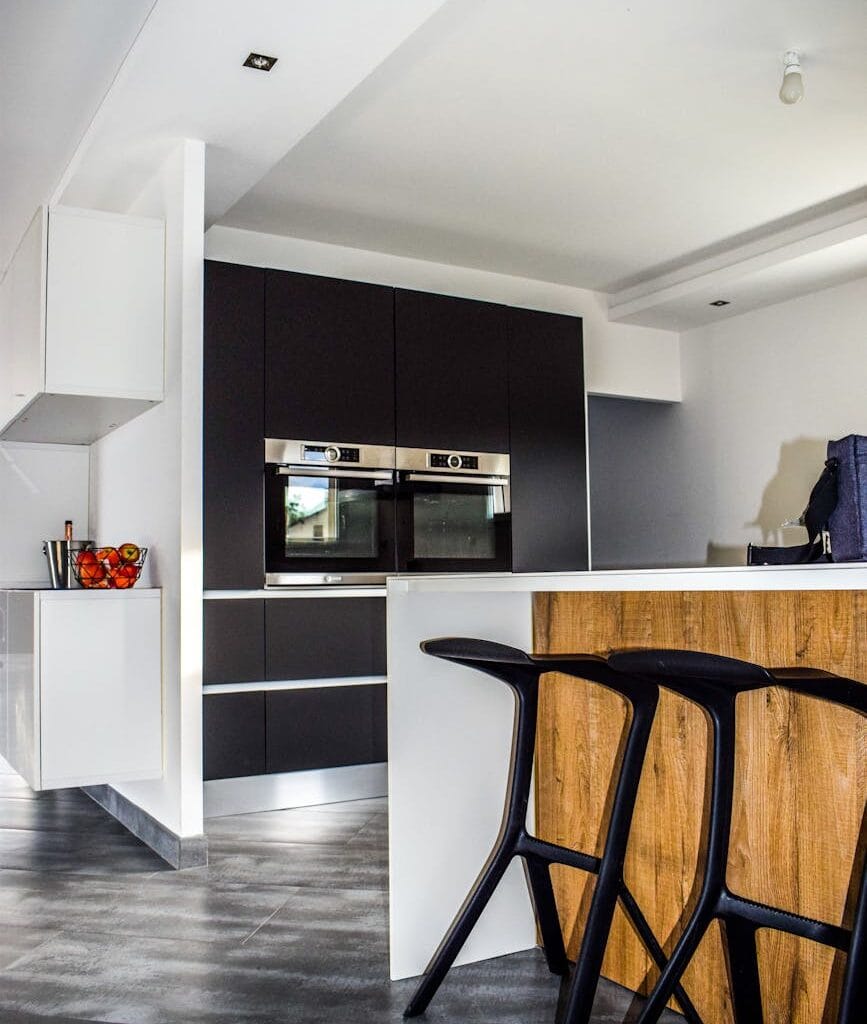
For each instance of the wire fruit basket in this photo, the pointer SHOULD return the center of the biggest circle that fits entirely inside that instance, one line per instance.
(108, 568)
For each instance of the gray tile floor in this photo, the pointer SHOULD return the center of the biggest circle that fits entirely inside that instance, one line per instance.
(287, 923)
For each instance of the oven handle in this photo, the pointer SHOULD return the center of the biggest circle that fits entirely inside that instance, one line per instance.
(366, 474)
(446, 478)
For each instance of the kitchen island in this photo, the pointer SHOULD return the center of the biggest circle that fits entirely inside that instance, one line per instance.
(802, 765)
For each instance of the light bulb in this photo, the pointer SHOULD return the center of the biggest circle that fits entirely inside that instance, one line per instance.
(792, 88)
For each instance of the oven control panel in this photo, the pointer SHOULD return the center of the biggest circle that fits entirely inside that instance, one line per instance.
(443, 460)
(330, 453)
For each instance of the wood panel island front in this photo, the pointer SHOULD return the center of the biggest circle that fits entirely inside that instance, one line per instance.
(798, 838)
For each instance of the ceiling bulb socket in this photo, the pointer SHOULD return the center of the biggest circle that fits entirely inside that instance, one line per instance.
(792, 89)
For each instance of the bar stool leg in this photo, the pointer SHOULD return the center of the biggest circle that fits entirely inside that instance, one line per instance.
(539, 880)
(722, 716)
(457, 935)
(524, 686)
(609, 882)
(853, 1001)
(740, 946)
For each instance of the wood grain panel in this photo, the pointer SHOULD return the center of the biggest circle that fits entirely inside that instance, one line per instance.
(799, 800)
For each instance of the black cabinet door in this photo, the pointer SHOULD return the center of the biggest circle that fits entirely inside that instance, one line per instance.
(548, 443)
(324, 638)
(329, 351)
(451, 359)
(233, 449)
(234, 734)
(234, 641)
(325, 728)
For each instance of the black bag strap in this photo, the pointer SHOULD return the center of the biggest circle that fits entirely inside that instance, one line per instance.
(822, 502)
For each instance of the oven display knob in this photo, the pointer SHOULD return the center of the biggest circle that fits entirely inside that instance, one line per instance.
(332, 453)
(454, 462)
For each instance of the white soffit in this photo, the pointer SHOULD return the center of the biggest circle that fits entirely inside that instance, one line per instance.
(184, 79)
(57, 60)
(817, 253)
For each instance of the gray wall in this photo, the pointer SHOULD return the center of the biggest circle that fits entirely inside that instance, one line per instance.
(640, 499)
(763, 393)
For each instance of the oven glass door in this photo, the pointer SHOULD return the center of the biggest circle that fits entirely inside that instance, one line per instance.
(453, 526)
(332, 522)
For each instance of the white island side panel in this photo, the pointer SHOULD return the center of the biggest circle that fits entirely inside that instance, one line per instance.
(449, 735)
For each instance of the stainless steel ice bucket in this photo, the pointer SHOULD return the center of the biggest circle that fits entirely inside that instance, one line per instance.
(57, 552)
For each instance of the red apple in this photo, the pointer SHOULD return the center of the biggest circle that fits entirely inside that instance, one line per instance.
(129, 552)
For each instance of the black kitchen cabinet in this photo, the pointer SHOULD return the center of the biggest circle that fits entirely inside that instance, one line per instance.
(326, 727)
(548, 443)
(451, 369)
(234, 641)
(324, 638)
(329, 358)
(233, 734)
(233, 449)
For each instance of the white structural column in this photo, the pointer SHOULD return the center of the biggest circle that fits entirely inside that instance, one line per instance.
(146, 487)
(449, 732)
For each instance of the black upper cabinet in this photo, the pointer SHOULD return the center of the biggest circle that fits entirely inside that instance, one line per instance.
(451, 359)
(549, 449)
(329, 356)
(233, 426)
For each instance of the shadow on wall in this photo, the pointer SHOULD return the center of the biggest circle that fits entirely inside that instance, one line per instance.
(784, 498)
(786, 493)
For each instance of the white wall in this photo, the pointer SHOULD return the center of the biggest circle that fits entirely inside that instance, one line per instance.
(763, 394)
(146, 485)
(619, 359)
(41, 486)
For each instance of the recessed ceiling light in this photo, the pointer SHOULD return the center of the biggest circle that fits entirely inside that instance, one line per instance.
(259, 62)
(721, 302)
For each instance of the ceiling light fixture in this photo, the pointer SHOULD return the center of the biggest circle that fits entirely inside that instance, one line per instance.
(720, 302)
(259, 62)
(792, 88)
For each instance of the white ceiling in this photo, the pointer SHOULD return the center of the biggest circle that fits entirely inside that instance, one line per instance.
(616, 146)
(586, 143)
(57, 59)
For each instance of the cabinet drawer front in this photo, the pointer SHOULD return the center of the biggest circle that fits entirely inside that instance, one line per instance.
(324, 638)
(234, 641)
(327, 728)
(234, 735)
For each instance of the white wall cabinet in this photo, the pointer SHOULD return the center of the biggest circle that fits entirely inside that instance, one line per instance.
(81, 686)
(81, 326)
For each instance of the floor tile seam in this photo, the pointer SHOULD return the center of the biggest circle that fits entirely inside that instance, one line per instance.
(262, 924)
(302, 887)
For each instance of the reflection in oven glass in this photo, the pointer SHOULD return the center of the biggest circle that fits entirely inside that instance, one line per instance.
(454, 524)
(330, 518)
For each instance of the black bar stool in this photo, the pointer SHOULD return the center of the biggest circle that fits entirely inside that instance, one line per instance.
(521, 672)
(713, 682)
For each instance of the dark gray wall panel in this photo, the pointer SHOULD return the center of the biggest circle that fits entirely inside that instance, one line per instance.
(233, 427)
(548, 442)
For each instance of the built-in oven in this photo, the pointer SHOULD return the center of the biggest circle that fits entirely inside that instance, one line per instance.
(329, 513)
(453, 511)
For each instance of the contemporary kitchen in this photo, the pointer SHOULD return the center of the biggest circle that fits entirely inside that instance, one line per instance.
(357, 360)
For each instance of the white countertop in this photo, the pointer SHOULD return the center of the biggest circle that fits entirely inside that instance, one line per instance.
(818, 576)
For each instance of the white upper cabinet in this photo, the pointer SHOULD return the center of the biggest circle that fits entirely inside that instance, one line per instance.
(81, 326)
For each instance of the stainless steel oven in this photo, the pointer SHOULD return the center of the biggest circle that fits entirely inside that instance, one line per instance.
(329, 513)
(453, 511)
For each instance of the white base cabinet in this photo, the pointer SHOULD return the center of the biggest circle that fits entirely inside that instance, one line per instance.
(81, 686)
(81, 326)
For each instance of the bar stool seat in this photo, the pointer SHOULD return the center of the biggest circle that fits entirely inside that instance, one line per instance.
(522, 672)
(714, 682)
